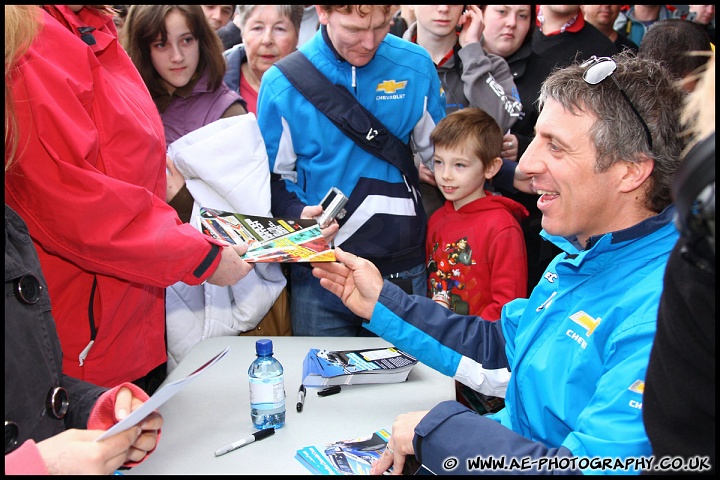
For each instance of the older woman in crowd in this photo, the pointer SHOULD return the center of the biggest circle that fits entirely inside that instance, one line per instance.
(270, 32)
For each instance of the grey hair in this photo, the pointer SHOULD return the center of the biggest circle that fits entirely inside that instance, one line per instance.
(293, 12)
(617, 133)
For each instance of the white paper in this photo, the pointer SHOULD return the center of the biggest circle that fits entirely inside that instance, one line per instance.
(161, 396)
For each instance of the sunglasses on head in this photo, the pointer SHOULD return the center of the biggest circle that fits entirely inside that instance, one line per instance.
(598, 69)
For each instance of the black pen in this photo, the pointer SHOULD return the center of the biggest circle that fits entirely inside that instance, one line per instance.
(301, 398)
(245, 441)
(329, 391)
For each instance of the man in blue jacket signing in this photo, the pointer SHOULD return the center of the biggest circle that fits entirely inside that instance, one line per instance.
(601, 162)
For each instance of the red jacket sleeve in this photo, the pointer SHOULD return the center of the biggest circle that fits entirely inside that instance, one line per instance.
(90, 177)
(102, 415)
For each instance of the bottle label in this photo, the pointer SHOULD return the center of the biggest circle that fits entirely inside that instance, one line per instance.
(267, 390)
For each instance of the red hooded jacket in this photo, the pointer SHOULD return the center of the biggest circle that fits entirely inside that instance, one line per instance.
(89, 180)
(477, 260)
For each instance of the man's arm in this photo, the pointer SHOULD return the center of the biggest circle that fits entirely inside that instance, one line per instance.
(285, 194)
(465, 347)
(434, 112)
(487, 81)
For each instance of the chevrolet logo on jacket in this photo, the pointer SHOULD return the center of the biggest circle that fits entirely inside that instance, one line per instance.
(585, 321)
(391, 86)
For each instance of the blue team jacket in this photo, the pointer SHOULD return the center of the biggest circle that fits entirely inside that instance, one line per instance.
(578, 350)
(308, 154)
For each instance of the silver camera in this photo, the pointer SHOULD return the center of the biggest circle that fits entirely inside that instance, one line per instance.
(333, 207)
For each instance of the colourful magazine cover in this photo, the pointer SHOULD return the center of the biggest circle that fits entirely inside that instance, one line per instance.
(269, 239)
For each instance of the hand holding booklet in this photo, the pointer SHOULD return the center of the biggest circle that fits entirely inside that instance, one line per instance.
(269, 239)
(352, 457)
(323, 368)
(159, 397)
(344, 457)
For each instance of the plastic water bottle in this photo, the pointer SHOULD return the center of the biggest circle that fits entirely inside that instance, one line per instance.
(267, 388)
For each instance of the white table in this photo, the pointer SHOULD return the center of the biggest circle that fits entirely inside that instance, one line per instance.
(214, 409)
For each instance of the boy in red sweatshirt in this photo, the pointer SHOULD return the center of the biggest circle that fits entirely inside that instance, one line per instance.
(475, 246)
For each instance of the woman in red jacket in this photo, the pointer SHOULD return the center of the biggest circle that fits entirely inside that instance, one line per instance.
(90, 183)
(51, 419)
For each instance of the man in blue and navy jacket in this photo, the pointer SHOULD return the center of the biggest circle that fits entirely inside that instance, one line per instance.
(385, 222)
(578, 347)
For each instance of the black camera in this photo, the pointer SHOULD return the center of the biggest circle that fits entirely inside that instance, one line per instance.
(333, 207)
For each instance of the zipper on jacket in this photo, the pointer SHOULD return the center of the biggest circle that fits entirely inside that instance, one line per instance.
(354, 79)
(547, 302)
(85, 352)
(407, 184)
(93, 331)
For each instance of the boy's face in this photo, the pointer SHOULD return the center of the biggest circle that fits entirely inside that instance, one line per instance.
(218, 15)
(438, 21)
(356, 38)
(461, 176)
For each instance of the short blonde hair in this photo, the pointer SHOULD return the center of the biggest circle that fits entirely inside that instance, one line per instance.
(698, 115)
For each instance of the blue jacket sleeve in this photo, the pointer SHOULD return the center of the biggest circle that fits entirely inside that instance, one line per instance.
(453, 440)
(435, 335)
(285, 198)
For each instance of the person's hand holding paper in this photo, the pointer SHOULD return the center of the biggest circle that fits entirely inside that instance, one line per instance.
(144, 414)
(145, 443)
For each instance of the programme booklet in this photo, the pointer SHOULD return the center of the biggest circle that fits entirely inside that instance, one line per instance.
(269, 239)
(344, 457)
(323, 368)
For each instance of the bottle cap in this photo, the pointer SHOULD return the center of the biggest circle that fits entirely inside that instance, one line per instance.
(264, 347)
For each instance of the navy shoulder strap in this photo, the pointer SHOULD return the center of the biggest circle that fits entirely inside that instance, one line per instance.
(343, 109)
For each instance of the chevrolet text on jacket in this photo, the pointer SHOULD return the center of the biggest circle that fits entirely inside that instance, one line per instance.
(308, 154)
(578, 350)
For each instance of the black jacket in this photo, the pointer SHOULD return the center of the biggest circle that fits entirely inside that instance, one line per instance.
(33, 358)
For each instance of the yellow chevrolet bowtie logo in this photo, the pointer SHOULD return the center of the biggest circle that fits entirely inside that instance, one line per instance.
(391, 86)
(585, 321)
(638, 386)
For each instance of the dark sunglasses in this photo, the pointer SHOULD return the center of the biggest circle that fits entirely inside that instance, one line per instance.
(598, 69)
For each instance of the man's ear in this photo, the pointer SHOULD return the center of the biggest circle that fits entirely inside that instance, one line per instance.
(322, 15)
(634, 174)
(493, 168)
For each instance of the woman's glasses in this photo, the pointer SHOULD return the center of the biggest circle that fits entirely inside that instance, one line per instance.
(597, 70)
